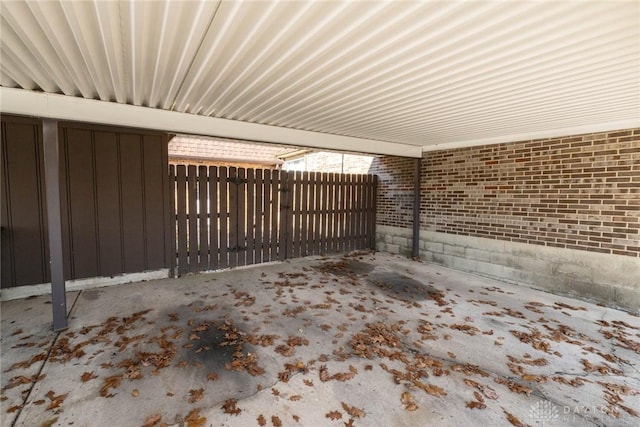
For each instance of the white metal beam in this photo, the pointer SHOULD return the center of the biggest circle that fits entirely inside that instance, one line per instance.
(62, 107)
(528, 136)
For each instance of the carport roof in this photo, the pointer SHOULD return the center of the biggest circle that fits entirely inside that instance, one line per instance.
(380, 77)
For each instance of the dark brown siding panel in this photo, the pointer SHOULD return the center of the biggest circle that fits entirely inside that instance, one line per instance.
(154, 177)
(108, 203)
(23, 234)
(132, 203)
(115, 206)
(82, 209)
(6, 250)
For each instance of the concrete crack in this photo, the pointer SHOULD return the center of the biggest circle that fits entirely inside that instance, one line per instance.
(44, 362)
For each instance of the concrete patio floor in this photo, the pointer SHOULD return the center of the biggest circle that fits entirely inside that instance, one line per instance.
(359, 340)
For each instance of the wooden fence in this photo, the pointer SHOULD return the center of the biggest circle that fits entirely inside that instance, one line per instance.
(228, 217)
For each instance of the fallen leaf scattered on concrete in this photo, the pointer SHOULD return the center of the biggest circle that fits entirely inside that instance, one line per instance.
(229, 407)
(152, 420)
(353, 411)
(514, 420)
(196, 395)
(333, 415)
(194, 419)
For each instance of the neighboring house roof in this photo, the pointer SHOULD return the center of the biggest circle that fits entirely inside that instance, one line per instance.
(218, 149)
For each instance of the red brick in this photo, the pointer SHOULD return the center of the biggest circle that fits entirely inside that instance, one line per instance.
(523, 191)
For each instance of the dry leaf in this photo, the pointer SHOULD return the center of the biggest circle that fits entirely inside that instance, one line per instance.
(212, 376)
(196, 395)
(195, 420)
(87, 376)
(407, 399)
(333, 415)
(152, 420)
(276, 421)
(56, 401)
(135, 392)
(109, 383)
(353, 411)
(295, 398)
(50, 422)
(261, 420)
(324, 375)
(230, 407)
(514, 420)
(476, 405)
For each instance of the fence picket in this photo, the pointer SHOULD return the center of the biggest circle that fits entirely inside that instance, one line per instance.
(203, 219)
(228, 217)
(214, 219)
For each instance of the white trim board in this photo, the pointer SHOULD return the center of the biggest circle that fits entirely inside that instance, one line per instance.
(63, 107)
(529, 136)
(82, 284)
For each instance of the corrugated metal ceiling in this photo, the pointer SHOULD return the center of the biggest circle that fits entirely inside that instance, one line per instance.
(417, 73)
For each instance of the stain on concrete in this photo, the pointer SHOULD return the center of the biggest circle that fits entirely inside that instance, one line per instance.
(346, 267)
(402, 287)
(91, 295)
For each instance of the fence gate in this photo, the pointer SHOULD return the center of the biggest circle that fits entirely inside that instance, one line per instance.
(228, 217)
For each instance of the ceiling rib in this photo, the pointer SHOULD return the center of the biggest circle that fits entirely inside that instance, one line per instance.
(417, 74)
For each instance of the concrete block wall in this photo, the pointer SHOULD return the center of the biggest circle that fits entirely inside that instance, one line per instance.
(613, 280)
(558, 214)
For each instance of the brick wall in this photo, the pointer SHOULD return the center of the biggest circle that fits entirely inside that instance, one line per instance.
(395, 190)
(579, 192)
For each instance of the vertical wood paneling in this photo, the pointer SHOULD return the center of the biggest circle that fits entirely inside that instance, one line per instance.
(251, 217)
(344, 228)
(224, 218)
(114, 206)
(269, 215)
(181, 213)
(6, 249)
(267, 200)
(82, 209)
(332, 214)
(203, 218)
(241, 210)
(108, 198)
(293, 248)
(357, 197)
(154, 201)
(277, 200)
(374, 212)
(214, 219)
(289, 226)
(172, 222)
(324, 219)
(192, 216)
(132, 203)
(304, 222)
(23, 235)
(258, 241)
(233, 217)
(65, 208)
(316, 178)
